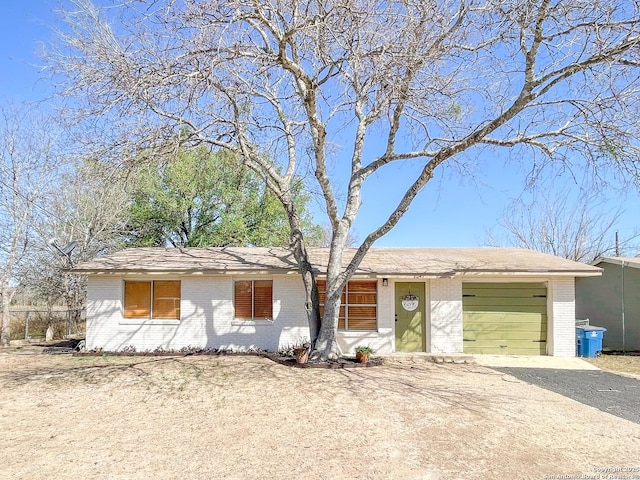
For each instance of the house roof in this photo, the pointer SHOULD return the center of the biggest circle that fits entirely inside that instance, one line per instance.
(633, 262)
(420, 262)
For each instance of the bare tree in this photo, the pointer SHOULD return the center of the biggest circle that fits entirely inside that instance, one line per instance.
(580, 229)
(344, 89)
(89, 206)
(325, 235)
(29, 162)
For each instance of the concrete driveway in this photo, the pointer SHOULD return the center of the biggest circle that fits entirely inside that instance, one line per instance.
(576, 379)
(533, 361)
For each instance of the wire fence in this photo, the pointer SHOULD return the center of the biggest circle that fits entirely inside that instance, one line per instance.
(47, 324)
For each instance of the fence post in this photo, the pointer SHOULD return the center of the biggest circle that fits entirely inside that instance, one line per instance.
(26, 326)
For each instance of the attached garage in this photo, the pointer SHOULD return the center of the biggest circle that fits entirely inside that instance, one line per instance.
(504, 318)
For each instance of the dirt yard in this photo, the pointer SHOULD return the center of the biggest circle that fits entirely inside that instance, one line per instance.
(627, 364)
(246, 417)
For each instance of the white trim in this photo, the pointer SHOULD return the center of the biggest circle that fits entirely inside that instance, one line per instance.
(360, 275)
(255, 322)
(541, 273)
(148, 321)
(358, 333)
(632, 262)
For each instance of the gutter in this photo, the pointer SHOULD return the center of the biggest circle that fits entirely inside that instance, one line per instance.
(622, 298)
(358, 273)
(185, 272)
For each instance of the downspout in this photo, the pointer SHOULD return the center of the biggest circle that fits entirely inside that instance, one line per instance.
(622, 296)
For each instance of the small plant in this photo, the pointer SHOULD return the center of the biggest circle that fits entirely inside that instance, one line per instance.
(364, 349)
(286, 350)
(289, 349)
(363, 352)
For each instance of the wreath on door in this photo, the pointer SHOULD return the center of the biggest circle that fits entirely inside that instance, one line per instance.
(410, 302)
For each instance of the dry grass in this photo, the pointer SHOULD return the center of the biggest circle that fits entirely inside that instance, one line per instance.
(628, 364)
(38, 321)
(247, 417)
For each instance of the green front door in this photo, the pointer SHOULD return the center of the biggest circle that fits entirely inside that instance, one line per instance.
(410, 317)
(505, 318)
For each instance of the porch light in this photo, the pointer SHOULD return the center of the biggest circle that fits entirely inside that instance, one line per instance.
(385, 282)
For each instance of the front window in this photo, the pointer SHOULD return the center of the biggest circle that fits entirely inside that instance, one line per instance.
(358, 304)
(253, 299)
(152, 299)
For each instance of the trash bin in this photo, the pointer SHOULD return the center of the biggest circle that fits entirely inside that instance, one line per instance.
(589, 341)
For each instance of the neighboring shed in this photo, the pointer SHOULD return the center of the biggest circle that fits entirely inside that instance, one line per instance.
(439, 300)
(613, 301)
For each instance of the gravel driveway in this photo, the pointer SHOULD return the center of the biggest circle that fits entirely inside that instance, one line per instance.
(608, 392)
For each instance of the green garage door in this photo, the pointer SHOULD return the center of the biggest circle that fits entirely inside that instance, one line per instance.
(505, 318)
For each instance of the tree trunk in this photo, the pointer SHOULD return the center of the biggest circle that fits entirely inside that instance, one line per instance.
(296, 243)
(311, 304)
(326, 347)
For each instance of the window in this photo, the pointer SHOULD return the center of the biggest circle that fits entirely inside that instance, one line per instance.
(253, 299)
(152, 299)
(358, 305)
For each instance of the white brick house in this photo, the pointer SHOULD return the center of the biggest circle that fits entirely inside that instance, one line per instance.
(475, 300)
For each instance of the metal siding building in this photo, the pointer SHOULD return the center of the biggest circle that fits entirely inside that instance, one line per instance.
(613, 301)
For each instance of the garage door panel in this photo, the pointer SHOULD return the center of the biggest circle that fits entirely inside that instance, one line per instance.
(504, 307)
(472, 318)
(502, 335)
(505, 318)
(513, 344)
(505, 301)
(505, 289)
(531, 334)
(508, 327)
(513, 348)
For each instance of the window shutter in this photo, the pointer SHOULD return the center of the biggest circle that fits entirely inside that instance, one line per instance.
(322, 288)
(362, 293)
(137, 299)
(362, 305)
(263, 299)
(242, 299)
(362, 318)
(166, 299)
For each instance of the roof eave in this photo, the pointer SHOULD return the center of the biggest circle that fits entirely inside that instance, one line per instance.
(616, 261)
(192, 271)
(533, 273)
(286, 271)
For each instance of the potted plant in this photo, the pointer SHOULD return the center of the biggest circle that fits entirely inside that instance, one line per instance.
(363, 353)
(302, 352)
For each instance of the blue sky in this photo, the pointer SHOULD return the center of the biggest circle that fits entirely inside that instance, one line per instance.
(453, 210)
(23, 26)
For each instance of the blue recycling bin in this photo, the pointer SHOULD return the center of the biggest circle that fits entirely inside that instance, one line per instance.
(589, 341)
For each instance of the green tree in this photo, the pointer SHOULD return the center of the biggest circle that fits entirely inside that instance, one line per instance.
(201, 198)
